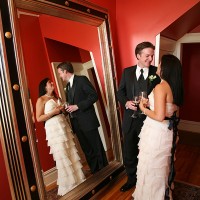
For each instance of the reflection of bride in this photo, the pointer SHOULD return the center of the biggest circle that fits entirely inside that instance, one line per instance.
(59, 137)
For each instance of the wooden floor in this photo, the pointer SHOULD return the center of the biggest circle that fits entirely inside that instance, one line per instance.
(187, 169)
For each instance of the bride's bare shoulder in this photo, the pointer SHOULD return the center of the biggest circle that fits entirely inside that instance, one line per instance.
(162, 85)
(41, 100)
(161, 88)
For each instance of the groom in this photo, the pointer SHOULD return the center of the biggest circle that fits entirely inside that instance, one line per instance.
(141, 77)
(81, 96)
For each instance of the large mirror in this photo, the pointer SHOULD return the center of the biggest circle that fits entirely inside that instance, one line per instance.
(48, 33)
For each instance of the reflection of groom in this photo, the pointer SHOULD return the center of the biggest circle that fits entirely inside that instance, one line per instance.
(81, 96)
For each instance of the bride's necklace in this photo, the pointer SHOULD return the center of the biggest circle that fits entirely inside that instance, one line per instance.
(50, 96)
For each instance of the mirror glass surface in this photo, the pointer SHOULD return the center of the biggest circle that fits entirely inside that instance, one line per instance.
(47, 40)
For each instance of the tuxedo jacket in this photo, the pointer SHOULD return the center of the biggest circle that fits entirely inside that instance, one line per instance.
(126, 91)
(84, 96)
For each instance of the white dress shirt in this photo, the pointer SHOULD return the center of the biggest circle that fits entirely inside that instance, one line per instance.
(71, 80)
(145, 73)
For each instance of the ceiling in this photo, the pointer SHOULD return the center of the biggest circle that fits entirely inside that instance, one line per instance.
(184, 24)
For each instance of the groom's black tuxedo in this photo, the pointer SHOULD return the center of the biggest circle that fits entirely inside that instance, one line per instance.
(84, 96)
(126, 91)
(131, 127)
(85, 122)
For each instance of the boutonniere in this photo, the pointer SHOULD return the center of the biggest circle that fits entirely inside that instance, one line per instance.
(152, 77)
(65, 89)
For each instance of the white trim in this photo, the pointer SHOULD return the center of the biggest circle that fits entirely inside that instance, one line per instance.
(50, 176)
(187, 38)
(191, 126)
(190, 38)
(163, 46)
(157, 50)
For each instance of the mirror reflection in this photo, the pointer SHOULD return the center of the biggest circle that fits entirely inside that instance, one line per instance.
(46, 42)
(50, 110)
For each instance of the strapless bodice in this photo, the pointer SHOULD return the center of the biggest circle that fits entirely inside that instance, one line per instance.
(170, 107)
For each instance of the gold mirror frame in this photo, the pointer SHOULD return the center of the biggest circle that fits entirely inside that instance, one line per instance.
(21, 125)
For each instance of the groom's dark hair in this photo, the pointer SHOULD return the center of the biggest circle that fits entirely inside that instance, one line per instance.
(66, 66)
(143, 45)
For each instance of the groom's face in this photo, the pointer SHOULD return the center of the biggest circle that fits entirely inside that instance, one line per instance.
(63, 74)
(145, 57)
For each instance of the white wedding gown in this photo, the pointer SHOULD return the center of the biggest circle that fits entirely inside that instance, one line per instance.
(154, 157)
(62, 147)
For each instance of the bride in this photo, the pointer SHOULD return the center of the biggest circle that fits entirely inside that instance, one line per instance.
(59, 137)
(155, 170)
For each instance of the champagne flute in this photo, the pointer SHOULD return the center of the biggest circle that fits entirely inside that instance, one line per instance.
(136, 102)
(66, 104)
(61, 104)
(142, 95)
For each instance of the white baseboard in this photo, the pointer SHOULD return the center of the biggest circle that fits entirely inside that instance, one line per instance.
(50, 176)
(192, 126)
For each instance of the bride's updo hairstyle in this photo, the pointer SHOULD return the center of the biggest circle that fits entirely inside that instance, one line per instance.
(171, 71)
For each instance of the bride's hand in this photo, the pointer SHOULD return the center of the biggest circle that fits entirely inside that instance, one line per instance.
(62, 108)
(143, 103)
(57, 110)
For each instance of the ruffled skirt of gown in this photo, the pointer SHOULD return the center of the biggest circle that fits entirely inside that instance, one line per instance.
(154, 160)
(63, 149)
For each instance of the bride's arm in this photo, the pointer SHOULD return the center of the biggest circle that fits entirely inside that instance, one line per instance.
(159, 104)
(40, 116)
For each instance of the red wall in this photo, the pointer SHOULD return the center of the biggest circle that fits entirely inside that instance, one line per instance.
(196, 30)
(137, 22)
(191, 66)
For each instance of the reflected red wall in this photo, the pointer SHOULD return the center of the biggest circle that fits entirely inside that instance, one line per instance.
(76, 34)
(39, 52)
(37, 68)
(59, 52)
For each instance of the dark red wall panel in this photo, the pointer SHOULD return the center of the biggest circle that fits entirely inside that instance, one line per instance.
(191, 75)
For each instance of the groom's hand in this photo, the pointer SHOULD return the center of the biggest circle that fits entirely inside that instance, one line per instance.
(71, 108)
(130, 105)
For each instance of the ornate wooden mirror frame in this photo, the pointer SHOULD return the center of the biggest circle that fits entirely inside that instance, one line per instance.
(16, 128)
